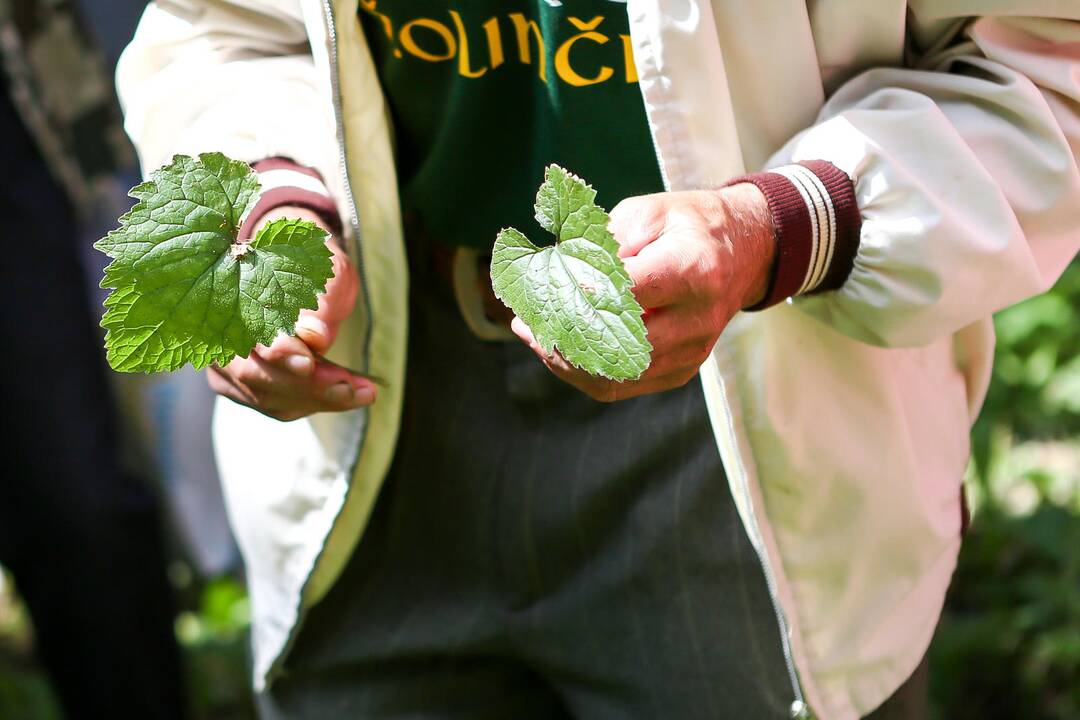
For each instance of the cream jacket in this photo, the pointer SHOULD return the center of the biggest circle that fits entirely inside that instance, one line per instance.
(842, 418)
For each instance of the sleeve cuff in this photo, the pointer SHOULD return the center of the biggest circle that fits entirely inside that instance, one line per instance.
(817, 225)
(285, 182)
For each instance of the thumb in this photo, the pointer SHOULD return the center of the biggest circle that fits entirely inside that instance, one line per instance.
(318, 328)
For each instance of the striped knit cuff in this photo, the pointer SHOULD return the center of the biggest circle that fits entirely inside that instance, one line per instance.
(817, 225)
(285, 182)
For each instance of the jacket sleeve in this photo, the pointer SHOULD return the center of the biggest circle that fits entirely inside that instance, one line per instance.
(231, 76)
(964, 169)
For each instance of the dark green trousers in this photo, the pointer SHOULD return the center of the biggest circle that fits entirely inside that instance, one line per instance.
(535, 554)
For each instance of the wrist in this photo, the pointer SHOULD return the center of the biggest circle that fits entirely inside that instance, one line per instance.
(749, 227)
(294, 191)
(294, 212)
(816, 226)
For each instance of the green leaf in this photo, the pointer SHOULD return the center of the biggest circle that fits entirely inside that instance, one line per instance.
(575, 296)
(184, 289)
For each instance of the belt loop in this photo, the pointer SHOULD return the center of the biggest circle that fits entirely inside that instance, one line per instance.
(467, 284)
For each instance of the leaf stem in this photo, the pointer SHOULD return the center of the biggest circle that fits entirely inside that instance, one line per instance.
(381, 382)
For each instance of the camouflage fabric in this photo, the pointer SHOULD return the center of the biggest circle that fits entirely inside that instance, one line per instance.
(60, 86)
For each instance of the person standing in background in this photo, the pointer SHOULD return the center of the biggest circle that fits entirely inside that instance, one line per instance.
(80, 533)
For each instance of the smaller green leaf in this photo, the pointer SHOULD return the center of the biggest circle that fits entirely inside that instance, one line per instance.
(575, 296)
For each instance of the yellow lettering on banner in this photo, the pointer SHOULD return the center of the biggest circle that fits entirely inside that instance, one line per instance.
(522, 28)
(562, 55)
(494, 41)
(409, 43)
(368, 6)
(628, 59)
(463, 44)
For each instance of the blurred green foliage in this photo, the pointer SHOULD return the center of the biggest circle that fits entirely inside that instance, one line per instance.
(1035, 393)
(1009, 642)
(212, 629)
(214, 635)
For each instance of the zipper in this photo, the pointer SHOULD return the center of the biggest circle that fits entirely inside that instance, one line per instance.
(799, 710)
(277, 668)
(339, 120)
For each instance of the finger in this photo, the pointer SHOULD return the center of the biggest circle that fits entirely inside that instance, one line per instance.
(518, 326)
(316, 333)
(272, 384)
(341, 290)
(604, 390)
(659, 275)
(229, 388)
(678, 353)
(637, 221)
(318, 328)
(687, 357)
(671, 328)
(329, 389)
(524, 333)
(262, 386)
(597, 388)
(289, 353)
(223, 384)
(337, 385)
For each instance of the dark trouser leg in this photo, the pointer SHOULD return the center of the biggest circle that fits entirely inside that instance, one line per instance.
(592, 549)
(641, 594)
(81, 536)
(426, 687)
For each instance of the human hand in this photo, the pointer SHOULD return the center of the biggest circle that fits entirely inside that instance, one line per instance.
(289, 379)
(696, 258)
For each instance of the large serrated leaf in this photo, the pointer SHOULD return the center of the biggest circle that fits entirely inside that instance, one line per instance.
(184, 289)
(575, 296)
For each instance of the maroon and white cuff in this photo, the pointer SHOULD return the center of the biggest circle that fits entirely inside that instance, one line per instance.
(285, 182)
(817, 225)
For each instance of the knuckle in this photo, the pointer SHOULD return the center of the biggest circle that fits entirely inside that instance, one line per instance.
(703, 350)
(287, 415)
(704, 276)
(715, 321)
(243, 371)
(684, 377)
(708, 278)
(605, 393)
(277, 410)
(260, 395)
(630, 206)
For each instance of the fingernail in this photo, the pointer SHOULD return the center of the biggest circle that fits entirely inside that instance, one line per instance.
(299, 364)
(365, 395)
(340, 393)
(312, 324)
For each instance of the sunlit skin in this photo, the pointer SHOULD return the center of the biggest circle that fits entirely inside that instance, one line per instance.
(286, 380)
(696, 258)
